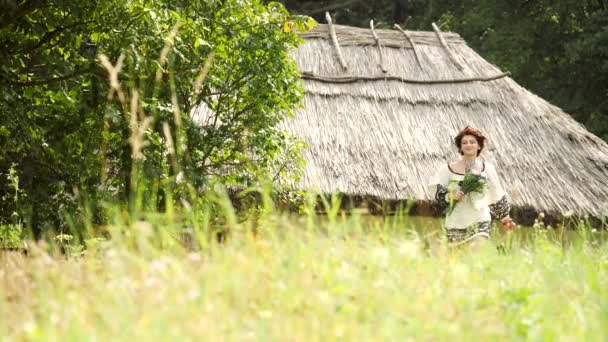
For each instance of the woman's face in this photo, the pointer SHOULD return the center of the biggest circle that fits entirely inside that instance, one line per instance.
(469, 145)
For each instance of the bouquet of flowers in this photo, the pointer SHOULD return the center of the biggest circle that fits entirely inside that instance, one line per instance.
(472, 182)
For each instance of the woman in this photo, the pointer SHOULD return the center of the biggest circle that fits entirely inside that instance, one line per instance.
(469, 214)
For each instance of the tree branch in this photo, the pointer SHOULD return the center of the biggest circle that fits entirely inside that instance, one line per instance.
(26, 8)
(44, 81)
(48, 36)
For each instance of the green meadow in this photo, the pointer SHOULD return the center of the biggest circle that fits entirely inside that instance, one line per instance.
(275, 276)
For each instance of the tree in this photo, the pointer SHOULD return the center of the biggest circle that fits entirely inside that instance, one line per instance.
(96, 99)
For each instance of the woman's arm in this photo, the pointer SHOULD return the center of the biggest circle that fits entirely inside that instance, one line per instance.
(441, 196)
(500, 209)
(500, 206)
(440, 185)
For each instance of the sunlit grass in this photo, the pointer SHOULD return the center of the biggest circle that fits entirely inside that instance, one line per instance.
(305, 278)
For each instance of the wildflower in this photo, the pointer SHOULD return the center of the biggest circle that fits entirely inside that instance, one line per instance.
(179, 178)
(29, 327)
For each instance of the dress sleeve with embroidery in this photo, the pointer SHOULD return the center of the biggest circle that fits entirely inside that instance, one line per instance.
(500, 205)
(439, 185)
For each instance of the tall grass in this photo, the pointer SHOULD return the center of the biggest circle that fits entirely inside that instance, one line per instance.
(279, 276)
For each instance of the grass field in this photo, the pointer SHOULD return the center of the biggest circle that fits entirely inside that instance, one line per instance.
(307, 278)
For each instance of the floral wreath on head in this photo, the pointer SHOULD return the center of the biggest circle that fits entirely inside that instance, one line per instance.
(468, 130)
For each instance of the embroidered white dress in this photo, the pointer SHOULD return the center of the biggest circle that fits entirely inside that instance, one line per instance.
(472, 215)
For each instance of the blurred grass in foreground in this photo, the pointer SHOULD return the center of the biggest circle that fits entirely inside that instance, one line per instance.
(302, 278)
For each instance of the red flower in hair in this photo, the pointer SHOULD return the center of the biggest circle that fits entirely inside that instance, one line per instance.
(472, 131)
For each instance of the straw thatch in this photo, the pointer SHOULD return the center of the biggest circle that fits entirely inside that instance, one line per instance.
(383, 134)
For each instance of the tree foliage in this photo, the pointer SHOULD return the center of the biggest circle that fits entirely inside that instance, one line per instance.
(96, 100)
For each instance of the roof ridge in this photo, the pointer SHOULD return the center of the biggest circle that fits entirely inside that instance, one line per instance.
(350, 35)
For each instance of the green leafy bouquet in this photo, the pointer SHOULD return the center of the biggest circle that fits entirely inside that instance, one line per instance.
(472, 182)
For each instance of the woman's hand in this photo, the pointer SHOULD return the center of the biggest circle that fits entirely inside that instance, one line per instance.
(507, 224)
(458, 195)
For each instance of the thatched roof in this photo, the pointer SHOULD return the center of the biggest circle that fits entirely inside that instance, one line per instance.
(383, 134)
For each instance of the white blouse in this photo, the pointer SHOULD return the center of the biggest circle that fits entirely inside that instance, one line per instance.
(474, 207)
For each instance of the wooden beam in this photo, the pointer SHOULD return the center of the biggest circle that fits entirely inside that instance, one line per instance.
(381, 64)
(411, 41)
(445, 46)
(334, 39)
(354, 79)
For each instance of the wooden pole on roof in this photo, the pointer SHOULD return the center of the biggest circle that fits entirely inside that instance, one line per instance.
(446, 47)
(411, 41)
(381, 64)
(334, 39)
(354, 79)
